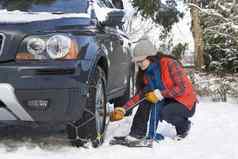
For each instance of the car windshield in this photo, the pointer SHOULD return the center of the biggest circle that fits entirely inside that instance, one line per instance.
(59, 6)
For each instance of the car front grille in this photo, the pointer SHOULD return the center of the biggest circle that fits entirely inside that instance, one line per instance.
(2, 39)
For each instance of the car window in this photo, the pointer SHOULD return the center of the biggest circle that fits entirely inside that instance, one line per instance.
(101, 3)
(117, 3)
(108, 4)
(65, 6)
(105, 3)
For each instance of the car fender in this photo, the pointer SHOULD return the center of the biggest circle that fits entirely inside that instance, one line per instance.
(101, 59)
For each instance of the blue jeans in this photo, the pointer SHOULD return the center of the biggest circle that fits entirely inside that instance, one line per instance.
(172, 112)
(177, 114)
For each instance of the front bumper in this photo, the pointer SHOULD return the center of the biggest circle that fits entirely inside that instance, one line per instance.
(62, 84)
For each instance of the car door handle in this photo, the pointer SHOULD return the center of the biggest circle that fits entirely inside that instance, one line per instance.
(121, 41)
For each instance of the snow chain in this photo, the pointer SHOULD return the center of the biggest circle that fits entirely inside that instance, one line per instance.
(99, 136)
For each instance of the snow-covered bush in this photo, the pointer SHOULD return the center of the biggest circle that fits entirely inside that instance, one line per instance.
(220, 32)
(216, 87)
(178, 50)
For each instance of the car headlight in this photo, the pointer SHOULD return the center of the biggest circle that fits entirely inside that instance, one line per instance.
(54, 47)
(36, 46)
(58, 46)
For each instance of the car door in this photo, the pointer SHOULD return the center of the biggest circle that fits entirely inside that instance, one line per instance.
(116, 72)
(118, 56)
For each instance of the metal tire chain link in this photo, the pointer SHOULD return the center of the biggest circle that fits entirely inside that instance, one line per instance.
(84, 123)
(98, 137)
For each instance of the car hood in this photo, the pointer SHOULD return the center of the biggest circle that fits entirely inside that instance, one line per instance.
(14, 26)
(13, 17)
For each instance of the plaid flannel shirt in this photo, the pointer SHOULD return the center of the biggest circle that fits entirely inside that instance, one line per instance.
(176, 74)
(134, 100)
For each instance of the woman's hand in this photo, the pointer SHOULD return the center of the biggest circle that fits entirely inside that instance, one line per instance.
(154, 96)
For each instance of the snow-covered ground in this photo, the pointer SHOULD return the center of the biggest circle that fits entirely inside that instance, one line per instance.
(213, 136)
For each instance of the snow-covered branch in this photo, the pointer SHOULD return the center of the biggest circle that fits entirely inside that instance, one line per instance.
(226, 10)
(194, 5)
(209, 11)
(215, 13)
(222, 34)
(231, 24)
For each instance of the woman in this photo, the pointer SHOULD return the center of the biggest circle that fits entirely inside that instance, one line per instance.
(166, 85)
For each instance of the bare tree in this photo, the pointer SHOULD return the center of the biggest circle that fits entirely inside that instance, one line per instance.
(198, 35)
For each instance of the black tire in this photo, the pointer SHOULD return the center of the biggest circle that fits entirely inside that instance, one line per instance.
(130, 91)
(92, 125)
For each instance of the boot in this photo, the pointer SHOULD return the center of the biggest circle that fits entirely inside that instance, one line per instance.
(182, 133)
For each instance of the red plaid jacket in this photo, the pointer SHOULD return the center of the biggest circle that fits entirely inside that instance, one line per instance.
(176, 82)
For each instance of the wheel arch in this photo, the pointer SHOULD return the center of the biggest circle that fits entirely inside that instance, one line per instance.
(102, 62)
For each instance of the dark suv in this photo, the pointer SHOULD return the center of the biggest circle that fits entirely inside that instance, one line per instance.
(61, 62)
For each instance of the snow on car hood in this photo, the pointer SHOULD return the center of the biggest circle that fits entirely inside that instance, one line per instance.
(27, 17)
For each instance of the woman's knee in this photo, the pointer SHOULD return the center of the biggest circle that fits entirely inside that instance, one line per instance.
(171, 114)
(166, 115)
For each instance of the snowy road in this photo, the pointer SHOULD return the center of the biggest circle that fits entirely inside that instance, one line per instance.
(213, 136)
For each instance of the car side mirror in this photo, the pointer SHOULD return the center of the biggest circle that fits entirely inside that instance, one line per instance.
(114, 18)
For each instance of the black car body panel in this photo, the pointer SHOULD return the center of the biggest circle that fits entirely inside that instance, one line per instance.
(62, 84)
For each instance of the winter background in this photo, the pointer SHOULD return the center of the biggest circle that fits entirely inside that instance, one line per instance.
(214, 127)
